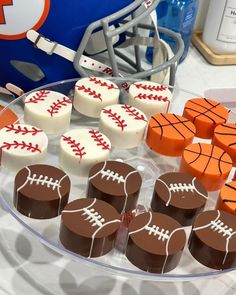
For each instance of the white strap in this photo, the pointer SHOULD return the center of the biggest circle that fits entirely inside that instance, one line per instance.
(51, 47)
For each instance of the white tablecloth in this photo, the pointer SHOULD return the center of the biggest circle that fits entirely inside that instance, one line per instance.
(28, 267)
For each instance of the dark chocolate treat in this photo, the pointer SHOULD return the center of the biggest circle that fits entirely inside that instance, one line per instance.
(116, 183)
(155, 242)
(89, 227)
(213, 239)
(180, 196)
(41, 191)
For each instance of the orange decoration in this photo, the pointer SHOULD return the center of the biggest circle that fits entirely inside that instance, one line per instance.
(205, 114)
(225, 138)
(7, 117)
(169, 134)
(209, 163)
(227, 198)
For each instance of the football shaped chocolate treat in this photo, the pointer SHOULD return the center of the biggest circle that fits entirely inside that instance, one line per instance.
(41, 191)
(213, 239)
(89, 226)
(116, 183)
(180, 196)
(155, 242)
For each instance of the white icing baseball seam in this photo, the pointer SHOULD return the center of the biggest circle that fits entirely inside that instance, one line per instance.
(176, 187)
(23, 185)
(81, 209)
(59, 193)
(93, 217)
(96, 174)
(167, 245)
(169, 197)
(227, 246)
(142, 228)
(208, 224)
(111, 175)
(157, 231)
(219, 226)
(43, 180)
(125, 190)
(197, 189)
(97, 230)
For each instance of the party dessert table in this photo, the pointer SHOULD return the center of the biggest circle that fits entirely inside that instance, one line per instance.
(26, 265)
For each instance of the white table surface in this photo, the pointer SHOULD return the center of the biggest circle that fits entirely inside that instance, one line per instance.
(28, 267)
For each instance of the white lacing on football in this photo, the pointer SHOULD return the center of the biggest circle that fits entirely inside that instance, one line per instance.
(176, 187)
(157, 231)
(43, 180)
(111, 175)
(221, 228)
(93, 217)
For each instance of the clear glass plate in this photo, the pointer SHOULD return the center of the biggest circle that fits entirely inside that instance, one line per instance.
(151, 166)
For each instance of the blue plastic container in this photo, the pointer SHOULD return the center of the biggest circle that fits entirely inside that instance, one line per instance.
(179, 16)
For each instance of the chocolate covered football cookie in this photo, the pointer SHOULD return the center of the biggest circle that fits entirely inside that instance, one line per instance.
(89, 227)
(41, 191)
(116, 183)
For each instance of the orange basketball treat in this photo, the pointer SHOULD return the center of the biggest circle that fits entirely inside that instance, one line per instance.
(205, 114)
(7, 117)
(225, 138)
(209, 163)
(169, 134)
(227, 198)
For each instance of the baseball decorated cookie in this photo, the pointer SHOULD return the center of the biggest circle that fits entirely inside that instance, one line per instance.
(48, 110)
(180, 196)
(155, 242)
(227, 198)
(168, 134)
(116, 183)
(225, 138)
(149, 97)
(92, 94)
(209, 163)
(205, 114)
(22, 145)
(213, 239)
(41, 191)
(89, 227)
(123, 124)
(81, 148)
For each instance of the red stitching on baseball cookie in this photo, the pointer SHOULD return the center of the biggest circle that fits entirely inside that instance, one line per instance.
(39, 96)
(117, 118)
(102, 84)
(23, 131)
(56, 106)
(22, 145)
(151, 97)
(78, 151)
(98, 138)
(150, 87)
(90, 92)
(133, 112)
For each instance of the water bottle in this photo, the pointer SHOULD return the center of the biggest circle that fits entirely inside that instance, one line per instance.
(178, 16)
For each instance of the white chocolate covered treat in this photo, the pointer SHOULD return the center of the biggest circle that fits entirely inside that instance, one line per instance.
(22, 145)
(92, 94)
(81, 148)
(48, 110)
(150, 97)
(123, 124)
